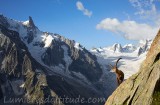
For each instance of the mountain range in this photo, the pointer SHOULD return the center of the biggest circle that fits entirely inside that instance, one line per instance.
(37, 65)
(131, 55)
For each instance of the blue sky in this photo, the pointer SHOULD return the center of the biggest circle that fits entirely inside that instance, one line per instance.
(105, 21)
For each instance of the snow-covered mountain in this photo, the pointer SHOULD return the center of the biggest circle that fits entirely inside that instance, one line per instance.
(144, 45)
(132, 56)
(36, 64)
(52, 50)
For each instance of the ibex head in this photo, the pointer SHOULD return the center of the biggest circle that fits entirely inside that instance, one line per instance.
(114, 68)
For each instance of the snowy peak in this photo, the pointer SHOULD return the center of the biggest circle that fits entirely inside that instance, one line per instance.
(31, 23)
(56, 52)
(142, 47)
(129, 48)
(131, 55)
(145, 44)
(78, 46)
(46, 63)
(31, 35)
(117, 47)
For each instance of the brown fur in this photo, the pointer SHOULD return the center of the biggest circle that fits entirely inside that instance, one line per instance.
(119, 73)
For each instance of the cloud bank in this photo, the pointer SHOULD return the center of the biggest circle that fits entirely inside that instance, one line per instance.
(132, 30)
(83, 9)
(129, 29)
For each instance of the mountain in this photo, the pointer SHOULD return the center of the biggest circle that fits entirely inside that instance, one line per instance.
(143, 88)
(144, 45)
(117, 48)
(131, 55)
(37, 65)
(129, 48)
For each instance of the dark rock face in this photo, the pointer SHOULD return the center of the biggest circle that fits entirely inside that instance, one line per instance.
(54, 54)
(140, 51)
(1, 94)
(31, 28)
(18, 68)
(144, 47)
(142, 88)
(4, 21)
(67, 87)
(12, 51)
(31, 23)
(117, 48)
(82, 60)
(30, 37)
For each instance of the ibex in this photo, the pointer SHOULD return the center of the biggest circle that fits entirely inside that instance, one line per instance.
(119, 73)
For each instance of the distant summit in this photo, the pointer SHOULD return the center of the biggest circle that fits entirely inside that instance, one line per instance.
(142, 47)
(31, 23)
(117, 48)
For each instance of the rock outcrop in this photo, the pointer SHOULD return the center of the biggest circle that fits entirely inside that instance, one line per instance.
(142, 88)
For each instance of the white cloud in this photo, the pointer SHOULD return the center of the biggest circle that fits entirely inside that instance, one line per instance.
(83, 9)
(128, 29)
(147, 10)
(144, 7)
